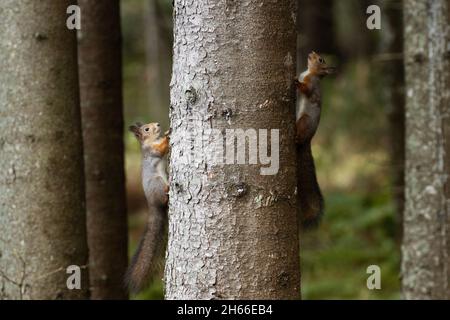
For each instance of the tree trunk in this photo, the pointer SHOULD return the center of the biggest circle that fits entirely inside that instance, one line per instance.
(42, 210)
(316, 27)
(158, 43)
(395, 84)
(232, 231)
(426, 242)
(355, 41)
(100, 63)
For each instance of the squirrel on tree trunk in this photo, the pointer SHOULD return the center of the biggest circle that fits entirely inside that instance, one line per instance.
(307, 121)
(156, 188)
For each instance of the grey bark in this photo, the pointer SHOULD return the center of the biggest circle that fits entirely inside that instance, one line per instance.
(426, 242)
(232, 232)
(100, 65)
(42, 211)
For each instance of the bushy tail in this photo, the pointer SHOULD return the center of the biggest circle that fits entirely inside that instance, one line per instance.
(310, 196)
(150, 249)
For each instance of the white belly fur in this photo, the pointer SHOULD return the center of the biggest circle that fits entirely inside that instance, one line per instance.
(161, 169)
(302, 101)
(300, 107)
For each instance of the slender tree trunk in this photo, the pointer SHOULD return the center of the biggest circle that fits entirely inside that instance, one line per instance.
(158, 55)
(426, 242)
(395, 84)
(232, 231)
(152, 46)
(316, 27)
(355, 41)
(101, 108)
(42, 211)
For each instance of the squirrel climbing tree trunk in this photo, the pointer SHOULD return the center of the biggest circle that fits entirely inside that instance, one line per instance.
(100, 63)
(426, 240)
(42, 212)
(232, 231)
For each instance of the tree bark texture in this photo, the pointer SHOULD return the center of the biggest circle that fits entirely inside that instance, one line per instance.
(42, 209)
(232, 232)
(100, 65)
(426, 242)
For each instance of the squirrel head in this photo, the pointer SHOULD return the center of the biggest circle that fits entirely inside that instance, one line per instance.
(146, 133)
(318, 66)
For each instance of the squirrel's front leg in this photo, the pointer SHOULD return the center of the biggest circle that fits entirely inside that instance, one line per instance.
(303, 87)
(161, 145)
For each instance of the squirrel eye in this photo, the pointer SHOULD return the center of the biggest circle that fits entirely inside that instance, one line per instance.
(146, 129)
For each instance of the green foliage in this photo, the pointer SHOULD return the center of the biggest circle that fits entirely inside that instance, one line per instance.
(356, 232)
(154, 292)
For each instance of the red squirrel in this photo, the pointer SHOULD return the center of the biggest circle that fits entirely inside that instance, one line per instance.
(307, 120)
(156, 187)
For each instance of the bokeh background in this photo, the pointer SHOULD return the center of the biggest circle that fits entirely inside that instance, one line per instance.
(354, 148)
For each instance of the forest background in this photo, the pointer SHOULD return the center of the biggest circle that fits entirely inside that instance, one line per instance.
(355, 147)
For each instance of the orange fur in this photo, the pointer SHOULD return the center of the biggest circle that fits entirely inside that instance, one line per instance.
(303, 86)
(161, 145)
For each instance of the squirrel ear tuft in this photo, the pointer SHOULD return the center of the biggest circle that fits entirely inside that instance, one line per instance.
(135, 129)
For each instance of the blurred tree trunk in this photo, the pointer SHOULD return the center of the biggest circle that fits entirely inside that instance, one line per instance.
(232, 231)
(42, 212)
(395, 84)
(354, 39)
(315, 22)
(158, 54)
(100, 63)
(426, 242)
